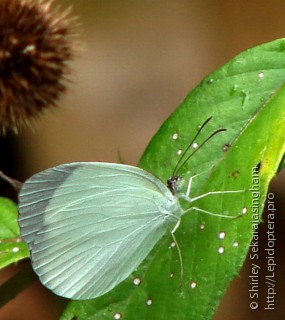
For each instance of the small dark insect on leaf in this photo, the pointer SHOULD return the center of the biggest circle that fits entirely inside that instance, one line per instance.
(235, 173)
(226, 147)
(258, 166)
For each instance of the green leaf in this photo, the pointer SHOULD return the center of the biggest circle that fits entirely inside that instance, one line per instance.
(247, 97)
(12, 248)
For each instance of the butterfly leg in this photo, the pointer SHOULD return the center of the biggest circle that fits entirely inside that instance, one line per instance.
(178, 248)
(187, 196)
(190, 183)
(213, 192)
(215, 214)
(189, 187)
(212, 213)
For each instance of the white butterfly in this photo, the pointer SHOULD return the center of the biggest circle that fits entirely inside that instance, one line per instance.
(89, 225)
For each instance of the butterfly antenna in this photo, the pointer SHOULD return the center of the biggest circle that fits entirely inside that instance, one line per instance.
(200, 146)
(177, 167)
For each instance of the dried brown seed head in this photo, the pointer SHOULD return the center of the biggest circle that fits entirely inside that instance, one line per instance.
(36, 44)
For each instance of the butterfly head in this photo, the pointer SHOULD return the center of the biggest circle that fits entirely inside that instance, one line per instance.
(175, 184)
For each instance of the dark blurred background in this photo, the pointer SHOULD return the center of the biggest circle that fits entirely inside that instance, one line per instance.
(138, 61)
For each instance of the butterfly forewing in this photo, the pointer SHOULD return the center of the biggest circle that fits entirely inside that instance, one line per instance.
(89, 225)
